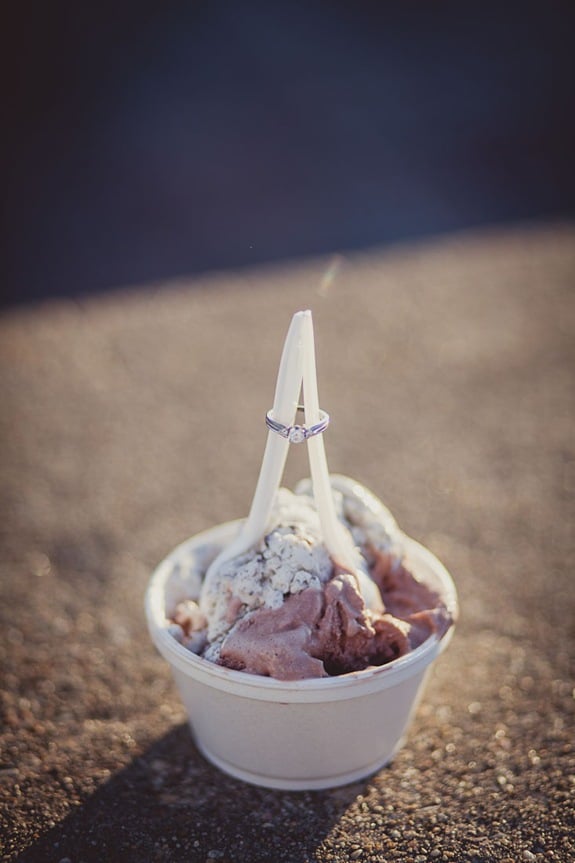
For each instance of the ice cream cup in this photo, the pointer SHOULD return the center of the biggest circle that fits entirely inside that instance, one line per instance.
(303, 734)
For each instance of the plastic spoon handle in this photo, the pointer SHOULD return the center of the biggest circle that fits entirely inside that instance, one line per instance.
(335, 537)
(286, 397)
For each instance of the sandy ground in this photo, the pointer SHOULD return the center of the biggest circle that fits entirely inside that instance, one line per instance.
(134, 420)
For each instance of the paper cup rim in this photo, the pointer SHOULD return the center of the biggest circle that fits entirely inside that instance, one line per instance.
(260, 687)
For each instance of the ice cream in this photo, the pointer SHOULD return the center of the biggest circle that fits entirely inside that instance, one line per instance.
(286, 609)
(333, 612)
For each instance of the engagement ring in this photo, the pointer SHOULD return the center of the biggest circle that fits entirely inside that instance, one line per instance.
(297, 433)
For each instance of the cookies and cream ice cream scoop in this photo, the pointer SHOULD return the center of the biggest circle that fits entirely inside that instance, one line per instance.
(287, 609)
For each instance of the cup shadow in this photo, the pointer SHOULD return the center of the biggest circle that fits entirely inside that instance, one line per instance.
(169, 805)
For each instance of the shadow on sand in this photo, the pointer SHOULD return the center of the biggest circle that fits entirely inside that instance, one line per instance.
(170, 805)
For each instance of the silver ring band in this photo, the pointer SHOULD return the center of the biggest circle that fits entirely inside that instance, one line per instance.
(296, 433)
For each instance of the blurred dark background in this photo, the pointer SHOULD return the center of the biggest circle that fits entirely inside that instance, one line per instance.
(151, 140)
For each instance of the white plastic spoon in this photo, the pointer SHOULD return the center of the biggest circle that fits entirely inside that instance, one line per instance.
(335, 537)
(297, 365)
(287, 392)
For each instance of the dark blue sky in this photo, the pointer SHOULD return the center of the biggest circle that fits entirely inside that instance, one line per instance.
(167, 139)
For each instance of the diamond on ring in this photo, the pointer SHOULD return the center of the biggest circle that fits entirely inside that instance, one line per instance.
(297, 433)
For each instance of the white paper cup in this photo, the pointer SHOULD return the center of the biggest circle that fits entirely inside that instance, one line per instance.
(302, 734)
